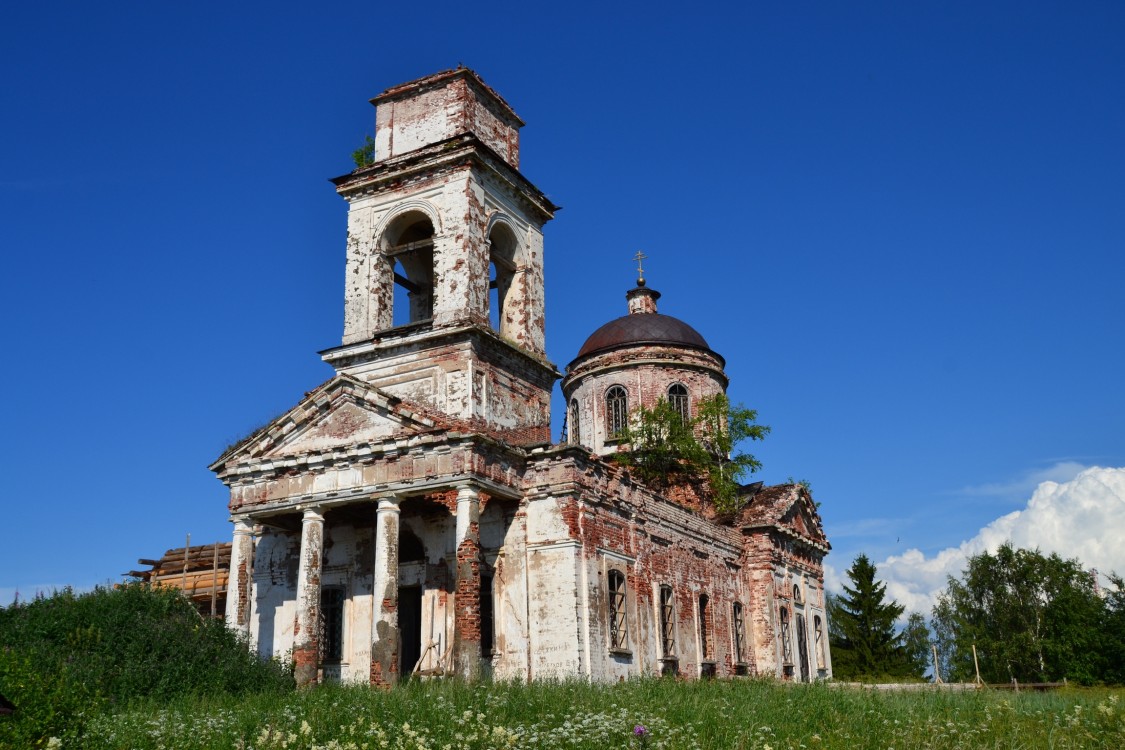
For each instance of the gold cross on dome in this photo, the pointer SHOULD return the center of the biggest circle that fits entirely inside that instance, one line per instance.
(640, 269)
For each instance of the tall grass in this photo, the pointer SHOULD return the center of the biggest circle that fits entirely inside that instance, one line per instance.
(578, 716)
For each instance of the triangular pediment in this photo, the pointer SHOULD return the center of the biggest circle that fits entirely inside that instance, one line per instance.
(342, 412)
(802, 517)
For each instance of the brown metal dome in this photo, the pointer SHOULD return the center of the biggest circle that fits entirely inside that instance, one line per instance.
(651, 328)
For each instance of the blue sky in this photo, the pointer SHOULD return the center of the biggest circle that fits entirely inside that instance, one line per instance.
(901, 223)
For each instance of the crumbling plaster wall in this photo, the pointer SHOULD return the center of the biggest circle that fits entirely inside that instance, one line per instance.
(448, 107)
(611, 522)
(462, 204)
(776, 563)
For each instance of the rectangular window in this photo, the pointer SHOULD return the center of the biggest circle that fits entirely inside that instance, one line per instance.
(331, 625)
(487, 628)
(667, 623)
(739, 627)
(786, 644)
(704, 635)
(618, 630)
(818, 634)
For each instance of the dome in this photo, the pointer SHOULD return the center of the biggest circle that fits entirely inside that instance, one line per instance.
(649, 328)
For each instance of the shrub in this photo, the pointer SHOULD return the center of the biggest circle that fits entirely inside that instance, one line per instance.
(67, 656)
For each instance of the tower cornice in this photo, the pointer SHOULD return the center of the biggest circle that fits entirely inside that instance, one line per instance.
(447, 155)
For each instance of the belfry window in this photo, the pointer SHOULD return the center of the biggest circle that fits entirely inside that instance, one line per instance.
(616, 410)
(501, 276)
(410, 251)
(678, 399)
(618, 624)
(667, 623)
(573, 430)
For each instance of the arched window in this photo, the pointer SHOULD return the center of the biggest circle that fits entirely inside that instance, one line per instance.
(501, 275)
(678, 398)
(616, 410)
(618, 626)
(797, 594)
(409, 248)
(575, 434)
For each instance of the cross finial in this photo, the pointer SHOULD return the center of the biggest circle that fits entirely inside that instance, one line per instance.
(639, 257)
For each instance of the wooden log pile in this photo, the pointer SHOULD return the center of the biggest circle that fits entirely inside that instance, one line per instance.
(201, 572)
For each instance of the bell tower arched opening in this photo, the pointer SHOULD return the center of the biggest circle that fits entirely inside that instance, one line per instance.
(502, 267)
(408, 247)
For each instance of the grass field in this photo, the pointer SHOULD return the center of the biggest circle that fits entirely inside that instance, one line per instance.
(639, 714)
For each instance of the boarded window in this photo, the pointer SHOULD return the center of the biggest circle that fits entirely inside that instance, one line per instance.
(678, 399)
(667, 623)
(616, 410)
(618, 630)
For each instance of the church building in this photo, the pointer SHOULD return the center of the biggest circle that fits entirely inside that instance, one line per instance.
(412, 514)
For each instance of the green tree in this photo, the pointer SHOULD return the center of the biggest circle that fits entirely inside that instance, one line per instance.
(862, 631)
(916, 642)
(365, 154)
(1032, 617)
(665, 449)
(1113, 644)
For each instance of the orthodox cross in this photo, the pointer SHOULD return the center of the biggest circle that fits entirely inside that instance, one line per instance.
(640, 269)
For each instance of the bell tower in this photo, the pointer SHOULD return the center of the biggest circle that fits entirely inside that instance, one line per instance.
(443, 300)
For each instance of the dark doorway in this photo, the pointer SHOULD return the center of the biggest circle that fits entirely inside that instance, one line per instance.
(409, 628)
(802, 648)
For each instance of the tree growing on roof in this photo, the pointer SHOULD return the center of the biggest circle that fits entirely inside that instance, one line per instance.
(664, 448)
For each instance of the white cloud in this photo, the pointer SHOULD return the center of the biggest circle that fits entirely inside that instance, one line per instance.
(1062, 471)
(1083, 517)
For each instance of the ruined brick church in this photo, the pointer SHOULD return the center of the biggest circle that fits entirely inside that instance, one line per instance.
(412, 515)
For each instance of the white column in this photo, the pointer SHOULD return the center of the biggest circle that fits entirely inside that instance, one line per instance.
(306, 636)
(239, 588)
(385, 643)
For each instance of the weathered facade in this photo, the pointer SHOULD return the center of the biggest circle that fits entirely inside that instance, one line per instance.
(411, 514)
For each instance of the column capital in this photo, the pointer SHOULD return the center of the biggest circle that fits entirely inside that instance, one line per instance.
(243, 525)
(312, 513)
(389, 503)
(467, 492)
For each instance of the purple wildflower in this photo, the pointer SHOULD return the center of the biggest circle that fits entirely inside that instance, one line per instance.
(640, 730)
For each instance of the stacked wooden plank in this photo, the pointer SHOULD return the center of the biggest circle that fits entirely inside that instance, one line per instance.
(201, 572)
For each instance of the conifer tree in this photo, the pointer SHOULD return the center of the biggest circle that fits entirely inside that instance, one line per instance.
(862, 628)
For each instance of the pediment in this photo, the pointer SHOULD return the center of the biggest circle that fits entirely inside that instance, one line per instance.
(342, 412)
(802, 518)
(346, 423)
